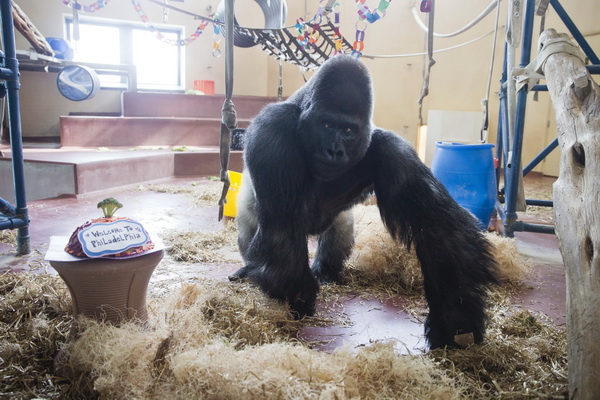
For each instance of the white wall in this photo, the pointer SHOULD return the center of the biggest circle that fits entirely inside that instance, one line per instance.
(458, 79)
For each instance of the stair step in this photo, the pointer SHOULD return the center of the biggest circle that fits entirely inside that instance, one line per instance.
(88, 131)
(142, 104)
(75, 171)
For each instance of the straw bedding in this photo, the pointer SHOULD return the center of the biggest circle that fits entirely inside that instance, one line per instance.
(213, 339)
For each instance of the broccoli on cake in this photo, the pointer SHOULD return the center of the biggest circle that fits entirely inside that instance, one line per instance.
(109, 236)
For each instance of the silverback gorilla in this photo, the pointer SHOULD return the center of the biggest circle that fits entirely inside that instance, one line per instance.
(308, 160)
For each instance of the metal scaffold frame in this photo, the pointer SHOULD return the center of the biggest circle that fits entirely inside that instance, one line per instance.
(13, 216)
(509, 151)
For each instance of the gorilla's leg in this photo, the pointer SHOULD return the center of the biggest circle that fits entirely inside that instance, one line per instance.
(275, 256)
(278, 263)
(246, 221)
(246, 214)
(335, 246)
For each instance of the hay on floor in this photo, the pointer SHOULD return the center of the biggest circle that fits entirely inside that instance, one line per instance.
(205, 193)
(215, 339)
(378, 260)
(35, 319)
(202, 247)
(209, 341)
(8, 236)
(221, 340)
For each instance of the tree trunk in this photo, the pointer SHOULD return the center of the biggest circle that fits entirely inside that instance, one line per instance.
(576, 100)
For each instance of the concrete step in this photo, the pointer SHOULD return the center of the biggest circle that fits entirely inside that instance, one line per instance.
(76, 171)
(141, 104)
(94, 131)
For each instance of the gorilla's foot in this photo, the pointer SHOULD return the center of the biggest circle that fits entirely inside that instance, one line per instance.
(300, 294)
(326, 274)
(239, 274)
(301, 309)
(455, 325)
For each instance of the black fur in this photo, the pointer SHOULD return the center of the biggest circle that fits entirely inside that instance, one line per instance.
(305, 169)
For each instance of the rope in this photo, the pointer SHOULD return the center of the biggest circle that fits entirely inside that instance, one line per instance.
(477, 19)
(228, 114)
(484, 102)
(425, 88)
(280, 82)
(514, 23)
(513, 39)
(434, 51)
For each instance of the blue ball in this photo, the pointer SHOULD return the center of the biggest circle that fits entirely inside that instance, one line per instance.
(62, 48)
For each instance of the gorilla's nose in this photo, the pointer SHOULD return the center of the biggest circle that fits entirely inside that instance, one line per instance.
(335, 153)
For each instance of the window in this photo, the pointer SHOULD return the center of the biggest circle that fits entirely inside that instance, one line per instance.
(159, 65)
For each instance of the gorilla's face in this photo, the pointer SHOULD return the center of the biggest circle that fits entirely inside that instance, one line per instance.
(334, 141)
(335, 119)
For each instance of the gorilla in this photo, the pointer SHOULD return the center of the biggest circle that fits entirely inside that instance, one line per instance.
(308, 160)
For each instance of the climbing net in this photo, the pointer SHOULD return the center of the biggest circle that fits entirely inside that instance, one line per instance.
(323, 42)
(307, 44)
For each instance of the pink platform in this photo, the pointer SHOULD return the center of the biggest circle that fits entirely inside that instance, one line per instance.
(158, 136)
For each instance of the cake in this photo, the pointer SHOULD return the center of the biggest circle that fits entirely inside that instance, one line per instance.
(109, 236)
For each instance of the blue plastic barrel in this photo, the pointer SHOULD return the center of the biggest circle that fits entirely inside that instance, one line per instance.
(467, 171)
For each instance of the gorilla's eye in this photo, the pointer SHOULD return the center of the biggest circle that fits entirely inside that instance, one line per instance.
(326, 124)
(348, 130)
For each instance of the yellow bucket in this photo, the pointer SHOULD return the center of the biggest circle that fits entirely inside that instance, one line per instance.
(230, 207)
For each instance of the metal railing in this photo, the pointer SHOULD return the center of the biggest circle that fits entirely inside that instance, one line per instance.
(509, 151)
(13, 216)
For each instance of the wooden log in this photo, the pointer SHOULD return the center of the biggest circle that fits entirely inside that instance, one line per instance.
(24, 25)
(576, 100)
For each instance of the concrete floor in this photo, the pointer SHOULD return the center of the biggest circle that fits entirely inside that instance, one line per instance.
(367, 320)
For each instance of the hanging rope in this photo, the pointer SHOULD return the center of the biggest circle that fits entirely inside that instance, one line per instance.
(228, 114)
(471, 24)
(425, 89)
(165, 13)
(513, 40)
(483, 134)
(280, 63)
(75, 22)
(374, 56)
(280, 82)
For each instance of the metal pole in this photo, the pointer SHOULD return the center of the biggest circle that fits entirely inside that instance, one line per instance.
(14, 119)
(587, 49)
(540, 157)
(512, 186)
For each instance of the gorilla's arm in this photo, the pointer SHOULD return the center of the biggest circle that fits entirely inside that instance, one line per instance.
(277, 255)
(455, 256)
